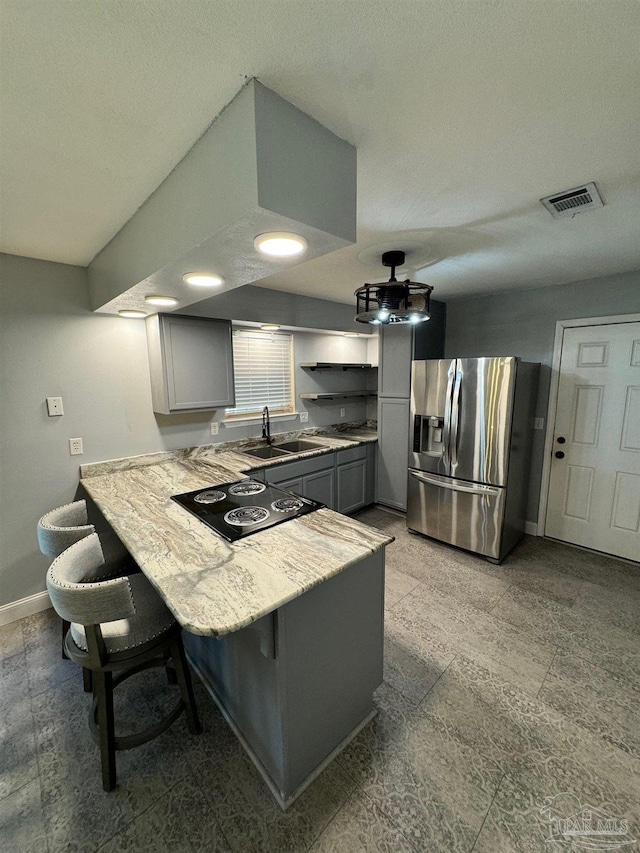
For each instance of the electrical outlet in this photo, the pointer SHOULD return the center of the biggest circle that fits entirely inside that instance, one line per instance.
(75, 447)
(54, 407)
(538, 423)
(304, 417)
(215, 427)
(343, 411)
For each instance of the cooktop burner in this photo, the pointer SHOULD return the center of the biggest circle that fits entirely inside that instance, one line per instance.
(286, 504)
(251, 487)
(210, 496)
(246, 515)
(236, 510)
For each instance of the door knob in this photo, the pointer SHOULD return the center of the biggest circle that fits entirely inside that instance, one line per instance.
(561, 439)
(559, 454)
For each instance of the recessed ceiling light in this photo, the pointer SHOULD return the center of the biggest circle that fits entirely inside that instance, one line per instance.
(131, 314)
(270, 327)
(202, 279)
(280, 244)
(162, 301)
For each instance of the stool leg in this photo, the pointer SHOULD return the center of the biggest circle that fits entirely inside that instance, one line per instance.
(65, 627)
(186, 688)
(103, 687)
(171, 673)
(87, 680)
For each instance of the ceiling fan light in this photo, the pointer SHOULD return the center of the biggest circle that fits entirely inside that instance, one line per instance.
(393, 301)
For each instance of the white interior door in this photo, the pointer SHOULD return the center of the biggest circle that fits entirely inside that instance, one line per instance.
(594, 489)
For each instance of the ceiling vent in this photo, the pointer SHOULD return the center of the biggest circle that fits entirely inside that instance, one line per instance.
(570, 202)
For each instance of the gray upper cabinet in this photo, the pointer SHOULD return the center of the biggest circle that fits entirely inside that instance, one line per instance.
(191, 363)
(396, 352)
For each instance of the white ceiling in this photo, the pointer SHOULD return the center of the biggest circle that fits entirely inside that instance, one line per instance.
(464, 114)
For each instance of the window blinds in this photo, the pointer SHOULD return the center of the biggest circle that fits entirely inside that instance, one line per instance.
(263, 372)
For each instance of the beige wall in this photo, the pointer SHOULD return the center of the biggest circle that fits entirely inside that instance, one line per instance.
(51, 344)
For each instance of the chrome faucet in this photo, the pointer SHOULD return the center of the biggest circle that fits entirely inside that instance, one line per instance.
(266, 425)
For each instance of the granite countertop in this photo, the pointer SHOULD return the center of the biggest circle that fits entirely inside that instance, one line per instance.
(212, 586)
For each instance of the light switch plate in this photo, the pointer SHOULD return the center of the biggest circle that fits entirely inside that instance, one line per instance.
(215, 427)
(538, 423)
(54, 407)
(304, 417)
(343, 412)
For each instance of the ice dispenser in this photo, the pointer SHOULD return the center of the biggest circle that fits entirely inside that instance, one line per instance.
(428, 435)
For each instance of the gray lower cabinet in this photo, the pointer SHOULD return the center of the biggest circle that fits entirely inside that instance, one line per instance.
(190, 363)
(294, 485)
(320, 486)
(312, 478)
(352, 486)
(351, 479)
(297, 684)
(393, 452)
(344, 480)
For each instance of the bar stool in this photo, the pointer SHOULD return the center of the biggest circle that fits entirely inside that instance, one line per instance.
(65, 525)
(117, 626)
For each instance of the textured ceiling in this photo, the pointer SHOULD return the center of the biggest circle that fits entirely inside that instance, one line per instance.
(464, 115)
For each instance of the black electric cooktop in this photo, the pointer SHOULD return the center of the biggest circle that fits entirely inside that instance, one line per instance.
(235, 510)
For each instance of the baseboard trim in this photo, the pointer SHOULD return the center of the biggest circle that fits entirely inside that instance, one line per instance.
(531, 528)
(16, 610)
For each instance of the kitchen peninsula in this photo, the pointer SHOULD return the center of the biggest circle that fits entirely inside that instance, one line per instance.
(285, 627)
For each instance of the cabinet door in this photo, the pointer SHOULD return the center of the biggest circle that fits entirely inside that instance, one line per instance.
(370, 495)
(393, 452)
(396, 352)
(294, 485)
(191, 363)
(352, 486)
(319, 486)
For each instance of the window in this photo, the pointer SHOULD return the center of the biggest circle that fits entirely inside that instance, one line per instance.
(263, 368)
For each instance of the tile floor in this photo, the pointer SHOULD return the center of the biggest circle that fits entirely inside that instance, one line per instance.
(505, 686)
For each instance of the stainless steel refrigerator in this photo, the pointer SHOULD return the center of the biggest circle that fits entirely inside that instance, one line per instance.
(471, 424)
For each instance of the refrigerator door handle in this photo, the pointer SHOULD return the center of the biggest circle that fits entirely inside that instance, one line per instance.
(455, 486)
(446, 436)
(455, 417)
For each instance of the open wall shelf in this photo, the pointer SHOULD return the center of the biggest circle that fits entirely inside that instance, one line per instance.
(336, 365)
(330, 395)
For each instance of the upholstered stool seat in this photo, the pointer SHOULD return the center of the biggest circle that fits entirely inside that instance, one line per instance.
(118, 625)
(64, 526)
(151, 619)
(61, 527)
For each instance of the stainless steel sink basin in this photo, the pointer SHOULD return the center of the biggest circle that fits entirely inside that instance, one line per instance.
(298, 445)
(265, 452)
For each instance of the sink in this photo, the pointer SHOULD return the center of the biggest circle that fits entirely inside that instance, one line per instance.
(265, 452)
(298, 445)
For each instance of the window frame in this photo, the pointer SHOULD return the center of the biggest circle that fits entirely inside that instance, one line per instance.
(251, 414)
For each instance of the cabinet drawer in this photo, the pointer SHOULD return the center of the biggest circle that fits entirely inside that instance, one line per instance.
(289, 470)
(351, 454)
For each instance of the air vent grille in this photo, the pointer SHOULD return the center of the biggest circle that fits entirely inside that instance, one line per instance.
(570, 202)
